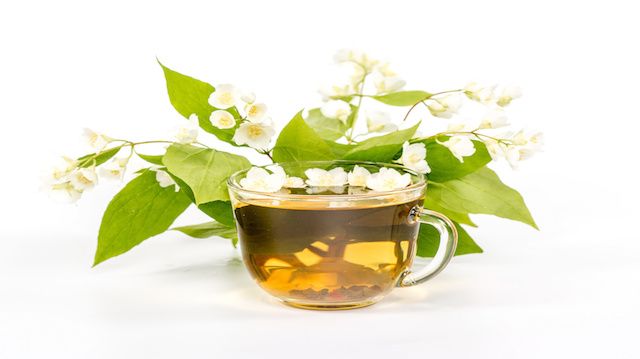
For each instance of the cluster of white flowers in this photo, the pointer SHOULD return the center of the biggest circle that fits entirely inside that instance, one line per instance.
(273, 178)
(260, 180)
(515, 147)
(499, 95)
(255, 129)
(385, 80)
(70, 179)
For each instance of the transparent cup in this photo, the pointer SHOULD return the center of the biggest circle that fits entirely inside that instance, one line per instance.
(330, 248)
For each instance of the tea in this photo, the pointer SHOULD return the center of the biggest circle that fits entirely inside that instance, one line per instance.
(309, 252)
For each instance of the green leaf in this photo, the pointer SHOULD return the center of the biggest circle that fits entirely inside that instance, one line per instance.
(153, 159)
(221, 211)
(462, 218)
(98, 158)
(481, 192)
(189, 96)
(142, 209)
(299, 142)
(445, 166)
(403, 98)
(327, 128)
(339, 149)
(381, 148)
(429, 240)
(204, 170)
(210, 229)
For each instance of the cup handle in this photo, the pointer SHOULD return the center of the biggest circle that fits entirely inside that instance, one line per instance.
(446, 249)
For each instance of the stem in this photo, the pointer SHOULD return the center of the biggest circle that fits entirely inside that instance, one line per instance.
(427, 98)
(357, 111)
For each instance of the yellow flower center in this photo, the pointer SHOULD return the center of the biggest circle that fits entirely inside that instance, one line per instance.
(255, 131)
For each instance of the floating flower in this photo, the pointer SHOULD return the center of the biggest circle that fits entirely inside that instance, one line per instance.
(388, 179)
(256, 111)
(256, 135)
(386, 84)
(379, 121)
(495, 118)
(445, 106)
(164, 179)
(414, 157)
(222, 119)
(288, 182)
(507, 94)
(479, 93)
(258, 179)
(460, 147)
(97, 141)
(358, 176)
(83, 178)
(224, 96)
(322, 178)
(188, 132)
(336, 109)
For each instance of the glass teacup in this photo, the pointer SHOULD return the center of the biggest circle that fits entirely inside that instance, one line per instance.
(336, 247)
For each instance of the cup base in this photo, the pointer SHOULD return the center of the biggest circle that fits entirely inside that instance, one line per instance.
(327, 307)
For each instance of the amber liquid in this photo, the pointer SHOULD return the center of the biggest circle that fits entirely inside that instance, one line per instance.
(328, 255)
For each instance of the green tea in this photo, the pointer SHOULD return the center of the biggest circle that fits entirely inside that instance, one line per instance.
(307, 253)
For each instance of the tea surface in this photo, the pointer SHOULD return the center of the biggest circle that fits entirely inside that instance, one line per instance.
(335, 255)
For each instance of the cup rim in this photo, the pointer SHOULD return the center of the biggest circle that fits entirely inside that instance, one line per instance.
(421, 184)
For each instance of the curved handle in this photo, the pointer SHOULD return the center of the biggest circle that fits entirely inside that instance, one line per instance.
(448, 243)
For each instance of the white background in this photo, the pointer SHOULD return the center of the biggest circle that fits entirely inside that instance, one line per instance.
(570, 290)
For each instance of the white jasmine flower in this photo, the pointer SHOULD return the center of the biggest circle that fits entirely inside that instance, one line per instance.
(388, 179)
(188, 132)
(336, 91)
(379, 121)
(413, 157)
(385, 84)
(222, 119)
(248, 97)
(385, 70)
(460, 147)
(322, 178)
(114, 169)
(165, 180)
(256, 111)
(97, 141)
(288, 182)
(83, 178)
(528, 145)
(512, 154)
(495, 149)
(358, 176)
(224, 97)
(294, 182)
(66, 192)
(479, 93)
(506, 94)
(256, 135)
(460, 125)
(258, 179)
(62, 170)
(357, 57)
(495, 118)
(344, 55)
(336, 109)
(445, 106)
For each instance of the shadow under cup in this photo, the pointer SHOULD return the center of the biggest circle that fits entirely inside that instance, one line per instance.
(325, 249)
